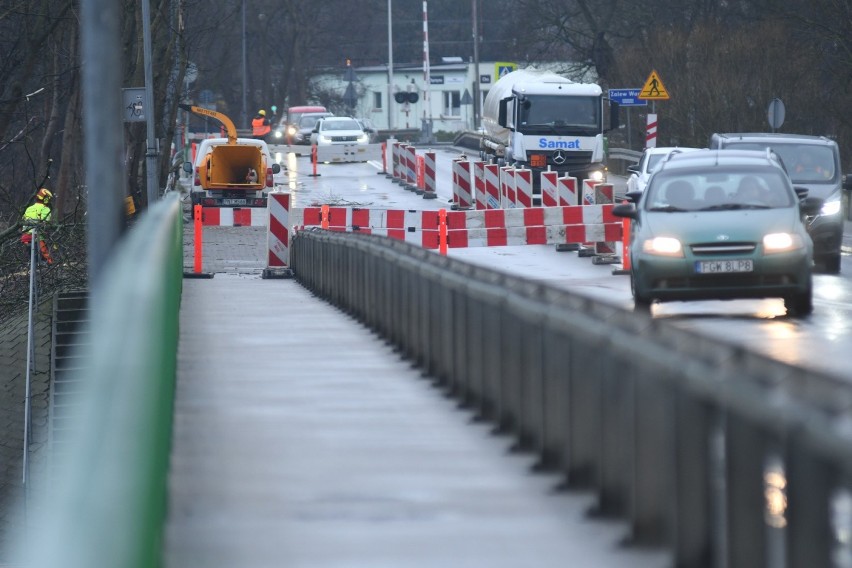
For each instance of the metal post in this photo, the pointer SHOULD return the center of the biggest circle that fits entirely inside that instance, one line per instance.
(30, 355)
(102, 102)
(390, 66)
(245, 78)
(151, 154)
(427, 78)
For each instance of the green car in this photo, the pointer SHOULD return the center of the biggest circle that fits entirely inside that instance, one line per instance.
(721, 224)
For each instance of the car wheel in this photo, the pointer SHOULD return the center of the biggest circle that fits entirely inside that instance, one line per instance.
(831, 264)
(641, 303)
(800, 304)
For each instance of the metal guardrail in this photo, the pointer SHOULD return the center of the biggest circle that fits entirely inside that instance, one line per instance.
(632, 156)
(108, 507)
(725, 457)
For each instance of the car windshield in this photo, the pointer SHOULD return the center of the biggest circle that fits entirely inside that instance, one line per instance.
(805, 163)
(551, 114)
(308, 121)
(350, 124)
(719, 190)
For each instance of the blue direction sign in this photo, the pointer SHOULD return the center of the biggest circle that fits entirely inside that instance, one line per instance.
(627, 97)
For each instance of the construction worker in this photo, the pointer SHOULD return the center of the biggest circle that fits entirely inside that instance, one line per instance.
(37, 213)
(260, 125)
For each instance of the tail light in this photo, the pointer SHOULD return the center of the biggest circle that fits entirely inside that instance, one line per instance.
(269, 182)
(197, 180)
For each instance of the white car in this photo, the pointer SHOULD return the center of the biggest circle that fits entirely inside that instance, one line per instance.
(651, 158)
(335, 130)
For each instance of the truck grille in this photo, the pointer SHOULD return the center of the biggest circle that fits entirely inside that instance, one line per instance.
(573, 160)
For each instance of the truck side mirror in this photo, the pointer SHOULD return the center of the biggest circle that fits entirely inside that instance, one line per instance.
(276, 167)
(501, 114)
(187, 167)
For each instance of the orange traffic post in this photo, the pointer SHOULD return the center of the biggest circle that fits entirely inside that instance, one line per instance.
(314, 160)
(196, 215)
(420, 170)
(442, 231)
(324, 216)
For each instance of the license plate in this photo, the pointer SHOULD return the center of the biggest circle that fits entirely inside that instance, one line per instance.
(724, 266)
(233, 202)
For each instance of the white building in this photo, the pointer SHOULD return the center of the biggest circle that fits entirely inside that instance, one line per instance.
(447, 102)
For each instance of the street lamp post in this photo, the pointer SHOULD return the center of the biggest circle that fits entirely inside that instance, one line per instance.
(390, 66)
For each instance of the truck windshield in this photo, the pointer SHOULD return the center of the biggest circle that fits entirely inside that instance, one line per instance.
(561, 115)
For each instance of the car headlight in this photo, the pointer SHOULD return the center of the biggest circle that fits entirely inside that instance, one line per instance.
(663, 246)
(596, 175)
(830, 207)
(781, 242)
(278, 134)
(291, 130)
(363, 138)
(323, 138)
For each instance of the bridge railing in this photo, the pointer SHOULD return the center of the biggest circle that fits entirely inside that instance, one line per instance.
(723, 456)
(108, 501)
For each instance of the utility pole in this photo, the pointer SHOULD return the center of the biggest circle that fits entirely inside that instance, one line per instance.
(151, 154)
(475, 64)
(390, 64)
(245, 79)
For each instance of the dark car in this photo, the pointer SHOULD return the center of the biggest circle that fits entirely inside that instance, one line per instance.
(812, 162)
(723, 224)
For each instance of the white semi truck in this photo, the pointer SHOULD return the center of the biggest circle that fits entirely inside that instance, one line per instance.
(538, 119)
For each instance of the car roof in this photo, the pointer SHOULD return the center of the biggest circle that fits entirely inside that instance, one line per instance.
(710, 158)
(667, 149)
(774, 137)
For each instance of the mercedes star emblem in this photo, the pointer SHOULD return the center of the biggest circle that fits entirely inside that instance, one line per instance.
(559, 157)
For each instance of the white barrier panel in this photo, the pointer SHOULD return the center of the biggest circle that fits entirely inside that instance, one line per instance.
(507, 186)
(338, 153)
(567, 190)
(492, 186)
(549, 192)
(523, 187)
(278, 236)
(429, 185)
(479, 184)
(462, 197)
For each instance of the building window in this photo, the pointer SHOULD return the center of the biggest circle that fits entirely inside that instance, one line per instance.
(452, 103)
(377, 100)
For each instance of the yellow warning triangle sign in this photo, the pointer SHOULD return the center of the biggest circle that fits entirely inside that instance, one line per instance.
(654, 90)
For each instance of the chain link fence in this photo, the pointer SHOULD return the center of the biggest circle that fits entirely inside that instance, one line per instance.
(69, 269)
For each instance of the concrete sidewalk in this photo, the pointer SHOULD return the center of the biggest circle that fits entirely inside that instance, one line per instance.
(302, 440)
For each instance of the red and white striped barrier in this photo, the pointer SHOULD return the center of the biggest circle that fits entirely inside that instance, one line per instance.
(462, 198)
(589, 192)
(278, 236)
(567, 191)
(497, 227)
(429, 185)
(492, 186)
(411, 167)
(507, 186)
(549, 191)
(523, 187)
(396, 168)
(480, 196)
(605, 194)
(234, 216)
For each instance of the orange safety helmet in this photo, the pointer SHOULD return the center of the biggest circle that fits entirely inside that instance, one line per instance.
(44, 195)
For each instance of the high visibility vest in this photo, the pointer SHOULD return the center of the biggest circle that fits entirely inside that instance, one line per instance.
(260, 126)
(35, 213)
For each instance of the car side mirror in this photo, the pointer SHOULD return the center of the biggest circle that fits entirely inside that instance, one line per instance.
(847, 181)
(633, 196)
(801, 192)
(625, 210)
(187, 167)
(811, 205)
(633, 168)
